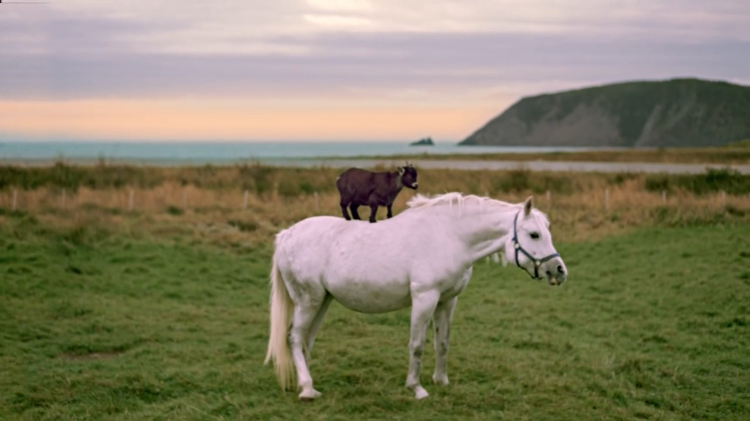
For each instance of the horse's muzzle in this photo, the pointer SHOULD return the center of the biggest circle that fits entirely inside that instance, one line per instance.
(560, 273)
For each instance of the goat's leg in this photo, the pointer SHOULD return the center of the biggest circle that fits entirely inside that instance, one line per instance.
(373, 212)
(390, 210)
(353, 207)
(344, 212)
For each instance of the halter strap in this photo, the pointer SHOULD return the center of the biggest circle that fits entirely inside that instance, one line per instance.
(517, 246)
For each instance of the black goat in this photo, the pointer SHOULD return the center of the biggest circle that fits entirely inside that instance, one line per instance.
(359, 187)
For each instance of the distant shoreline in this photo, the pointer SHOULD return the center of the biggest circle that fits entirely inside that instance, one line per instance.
(455, 164)
(379, 155)
(168, 155)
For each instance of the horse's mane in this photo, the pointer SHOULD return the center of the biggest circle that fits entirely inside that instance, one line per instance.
(420, 201)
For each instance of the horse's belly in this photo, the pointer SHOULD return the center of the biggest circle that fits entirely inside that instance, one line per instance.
(370, 298)
(454, 289)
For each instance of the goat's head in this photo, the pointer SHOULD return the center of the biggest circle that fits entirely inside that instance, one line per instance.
(408, 176)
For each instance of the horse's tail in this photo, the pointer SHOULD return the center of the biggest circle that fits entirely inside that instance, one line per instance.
(281, 314)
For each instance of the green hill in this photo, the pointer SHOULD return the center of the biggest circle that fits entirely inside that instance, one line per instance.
(672, 113)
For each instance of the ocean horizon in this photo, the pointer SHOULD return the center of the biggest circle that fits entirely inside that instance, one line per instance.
(236, 151)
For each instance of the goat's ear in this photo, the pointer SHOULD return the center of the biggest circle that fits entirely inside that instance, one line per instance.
(401, 170)
(528, 204)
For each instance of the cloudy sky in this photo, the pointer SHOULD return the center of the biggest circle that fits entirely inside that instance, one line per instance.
(335, 69)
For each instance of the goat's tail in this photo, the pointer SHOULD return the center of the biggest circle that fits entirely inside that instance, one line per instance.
(281, 314)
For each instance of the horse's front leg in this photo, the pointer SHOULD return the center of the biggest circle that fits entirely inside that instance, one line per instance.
(442, 324)
(423, 307)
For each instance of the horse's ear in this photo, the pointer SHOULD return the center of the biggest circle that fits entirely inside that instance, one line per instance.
(528, 205)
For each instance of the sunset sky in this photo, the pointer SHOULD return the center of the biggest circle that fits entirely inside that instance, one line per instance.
(335, 69)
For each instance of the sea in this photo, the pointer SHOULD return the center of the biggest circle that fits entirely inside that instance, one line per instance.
(228, 152)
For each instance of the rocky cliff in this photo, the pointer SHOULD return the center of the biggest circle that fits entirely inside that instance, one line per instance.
(673, 113)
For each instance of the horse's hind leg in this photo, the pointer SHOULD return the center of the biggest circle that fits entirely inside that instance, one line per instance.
(442, 325)
(305, 311)
(315, 325)
(423, 307)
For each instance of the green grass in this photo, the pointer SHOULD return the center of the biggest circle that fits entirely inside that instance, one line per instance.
(651, 325)
(712, 181)
(740, 144)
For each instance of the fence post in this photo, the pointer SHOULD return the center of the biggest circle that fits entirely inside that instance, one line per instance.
(15, 198)
(184, 199)
(549, 198)
(664, 196)
(244, 200)
(316, 201)
(723, 198)
(130, 200)
(606, 199)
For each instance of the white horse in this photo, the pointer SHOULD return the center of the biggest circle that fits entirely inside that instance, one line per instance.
(423, 258)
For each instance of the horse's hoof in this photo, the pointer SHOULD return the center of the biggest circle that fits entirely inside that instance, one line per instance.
(440, 380)
(420, 393)
(309, 395)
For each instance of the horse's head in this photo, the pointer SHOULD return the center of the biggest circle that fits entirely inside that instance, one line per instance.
(408, 176)
(530, 246)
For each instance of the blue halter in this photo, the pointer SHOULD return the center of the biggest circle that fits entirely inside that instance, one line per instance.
(537, 262)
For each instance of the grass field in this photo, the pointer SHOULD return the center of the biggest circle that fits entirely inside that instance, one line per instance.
(111, 323)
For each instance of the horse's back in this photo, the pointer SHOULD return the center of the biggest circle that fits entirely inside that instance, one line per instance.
(320, 227)
(335, 243)
(366, 267)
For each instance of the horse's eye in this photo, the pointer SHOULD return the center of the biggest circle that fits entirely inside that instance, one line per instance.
(534, 235)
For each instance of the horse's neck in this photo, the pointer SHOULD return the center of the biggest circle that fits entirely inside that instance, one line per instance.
(483, 231)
